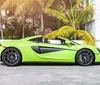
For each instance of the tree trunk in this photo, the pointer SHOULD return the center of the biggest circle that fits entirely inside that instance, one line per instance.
(23, 29)
(87, 2)
(2, 29)
(23, 32)
(42, 23)
(2, 32)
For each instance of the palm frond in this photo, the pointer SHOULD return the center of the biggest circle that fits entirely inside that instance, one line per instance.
(51, 35)
(75, 8)
(23, 8)
(2, 2)
(88, 39)
(7, 4)
(41, 2)
(72, 12)
(57, 14)
(12, 4)
(86, 14)
(48, 3)
(62, 6)
(78, 2)
(87, 2)
(30, 6)
(64, 31)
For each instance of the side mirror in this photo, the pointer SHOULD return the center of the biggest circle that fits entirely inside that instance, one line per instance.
(68, 43)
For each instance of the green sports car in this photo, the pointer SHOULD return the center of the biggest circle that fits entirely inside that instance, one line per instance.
(37, 49)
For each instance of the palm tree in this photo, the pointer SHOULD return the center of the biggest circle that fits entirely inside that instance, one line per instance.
(27, 7)
(34, 6)
(44, 4)
(11, 5)
(21, 8)
(73, 18)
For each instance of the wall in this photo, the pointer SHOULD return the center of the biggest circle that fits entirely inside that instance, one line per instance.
(93, 26)
(90, 27)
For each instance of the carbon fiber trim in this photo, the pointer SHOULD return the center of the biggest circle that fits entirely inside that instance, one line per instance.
(36, 49)
(42, 49)
(49, 49)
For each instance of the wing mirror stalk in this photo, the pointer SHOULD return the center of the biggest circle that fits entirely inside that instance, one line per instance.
(68, 43)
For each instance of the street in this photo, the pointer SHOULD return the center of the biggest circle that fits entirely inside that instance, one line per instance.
(62, 74)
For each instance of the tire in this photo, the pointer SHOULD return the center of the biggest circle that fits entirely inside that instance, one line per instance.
(85, 57)
(11, 57)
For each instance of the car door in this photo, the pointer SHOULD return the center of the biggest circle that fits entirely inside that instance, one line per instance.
(57, 51)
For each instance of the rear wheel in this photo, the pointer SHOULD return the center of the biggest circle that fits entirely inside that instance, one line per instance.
(85, 57)
(11, 57)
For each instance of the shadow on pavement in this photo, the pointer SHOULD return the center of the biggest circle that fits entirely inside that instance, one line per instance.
(53, 64)
(49, 64)
(44, 64)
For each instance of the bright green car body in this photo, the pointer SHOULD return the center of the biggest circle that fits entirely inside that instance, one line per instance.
(66, 54)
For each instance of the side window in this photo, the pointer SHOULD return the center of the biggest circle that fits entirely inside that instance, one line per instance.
(62, 40)
(55, 41)
(38, 40)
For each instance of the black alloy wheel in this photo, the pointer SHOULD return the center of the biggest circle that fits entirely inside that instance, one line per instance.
(11, 57)
(85, 57)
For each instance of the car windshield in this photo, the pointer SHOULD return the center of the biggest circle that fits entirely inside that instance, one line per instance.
(75, 42)
(32, 37)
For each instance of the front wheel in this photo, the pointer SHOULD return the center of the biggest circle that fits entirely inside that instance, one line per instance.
(11, 57)
(85, 57)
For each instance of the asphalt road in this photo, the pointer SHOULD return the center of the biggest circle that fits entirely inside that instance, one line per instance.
(37, 74)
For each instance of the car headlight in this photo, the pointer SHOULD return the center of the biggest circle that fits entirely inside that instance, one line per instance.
(98, 49)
